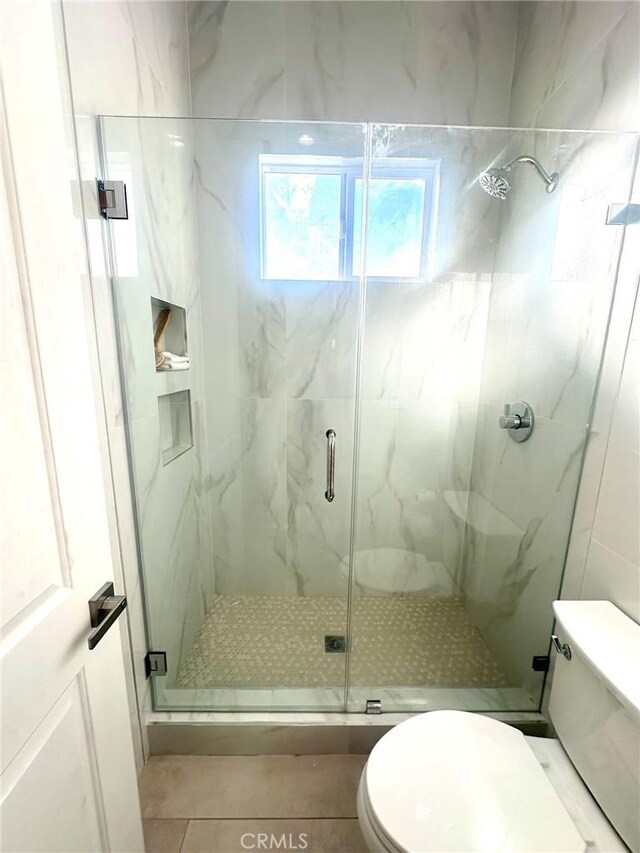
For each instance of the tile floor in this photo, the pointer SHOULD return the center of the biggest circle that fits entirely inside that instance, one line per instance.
(278, 641)
(218, 804)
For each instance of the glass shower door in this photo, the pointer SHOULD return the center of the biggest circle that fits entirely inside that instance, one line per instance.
(474, 303)
(240, 238)
(256, 341)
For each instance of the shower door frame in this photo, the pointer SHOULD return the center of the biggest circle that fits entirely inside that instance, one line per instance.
(354, 699)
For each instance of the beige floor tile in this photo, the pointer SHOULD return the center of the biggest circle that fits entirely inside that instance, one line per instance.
(266, 786)
(237, 836)
(163, 836)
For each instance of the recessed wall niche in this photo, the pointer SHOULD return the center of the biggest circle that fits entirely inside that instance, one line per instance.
(173, 334)
(176, 436)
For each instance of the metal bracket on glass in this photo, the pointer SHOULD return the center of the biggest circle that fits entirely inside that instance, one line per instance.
(112, 198)
(623, 214)
(518, 420)
(155, 663)
(104, 609)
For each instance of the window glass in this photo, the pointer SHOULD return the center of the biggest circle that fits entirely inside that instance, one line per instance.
(395, 227)
(301, 225)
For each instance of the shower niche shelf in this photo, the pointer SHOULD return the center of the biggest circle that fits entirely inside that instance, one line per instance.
(169, 329)
(176, 434)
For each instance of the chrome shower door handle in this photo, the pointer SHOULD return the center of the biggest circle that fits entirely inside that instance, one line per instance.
(331, 464)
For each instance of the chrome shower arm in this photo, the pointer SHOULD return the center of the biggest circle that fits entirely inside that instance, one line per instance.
(550, 180)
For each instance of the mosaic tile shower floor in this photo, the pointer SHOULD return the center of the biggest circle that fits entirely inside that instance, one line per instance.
(277, 641)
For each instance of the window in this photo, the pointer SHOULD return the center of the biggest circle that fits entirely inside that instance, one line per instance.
(311, 218)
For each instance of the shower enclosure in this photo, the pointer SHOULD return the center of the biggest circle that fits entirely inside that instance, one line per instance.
(330, 508)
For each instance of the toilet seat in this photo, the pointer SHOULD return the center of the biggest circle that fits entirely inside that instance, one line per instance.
(456, 781)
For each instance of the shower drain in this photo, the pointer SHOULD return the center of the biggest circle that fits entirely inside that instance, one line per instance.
(335, 643)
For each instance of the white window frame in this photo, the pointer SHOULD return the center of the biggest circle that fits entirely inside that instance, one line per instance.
(351, 169)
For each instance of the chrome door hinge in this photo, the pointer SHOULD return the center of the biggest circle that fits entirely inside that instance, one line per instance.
(155, 663)
(112, 198)
(373, 706)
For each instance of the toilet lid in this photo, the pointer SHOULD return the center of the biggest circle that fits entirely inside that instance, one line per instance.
(456, 781)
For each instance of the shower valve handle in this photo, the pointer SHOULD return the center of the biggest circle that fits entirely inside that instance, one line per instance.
(518, 419)
(515, 421)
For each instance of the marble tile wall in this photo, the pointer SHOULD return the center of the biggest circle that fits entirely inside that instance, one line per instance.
(422, 355)
(429, 62)
(141, 68)
(280, 369)
(408, 62)
(555, 271)
(577, 66)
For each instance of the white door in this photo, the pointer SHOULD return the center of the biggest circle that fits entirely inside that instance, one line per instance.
(68, 777)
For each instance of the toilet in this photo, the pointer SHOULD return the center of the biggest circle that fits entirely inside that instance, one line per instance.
(457, 781)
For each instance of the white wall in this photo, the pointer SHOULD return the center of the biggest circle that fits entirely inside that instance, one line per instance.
(612, 567)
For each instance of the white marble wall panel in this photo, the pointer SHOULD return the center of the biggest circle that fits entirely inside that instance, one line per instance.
(553, 40)
(248, 497)
(236, 52)
(339, 61)
(611, 71)
(318, 531)
(352, 62)
(321, 324)
(422, 358)
(293, 344)
(577, 66)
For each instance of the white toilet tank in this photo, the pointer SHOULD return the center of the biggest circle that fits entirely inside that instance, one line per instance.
(595, 706)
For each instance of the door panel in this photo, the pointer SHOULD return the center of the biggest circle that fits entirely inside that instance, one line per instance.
(245, 562)
(460, 532)
(68, 774)
(52, 781)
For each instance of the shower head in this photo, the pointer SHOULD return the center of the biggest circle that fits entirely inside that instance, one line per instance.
(496, 181)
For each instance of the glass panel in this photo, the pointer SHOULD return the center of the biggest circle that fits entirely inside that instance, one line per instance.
(302, 225)
(395, 227)
(461, 532)
(245, 564)
(471, 303)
